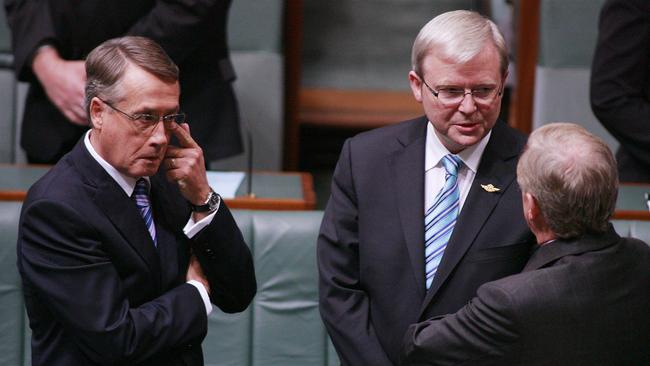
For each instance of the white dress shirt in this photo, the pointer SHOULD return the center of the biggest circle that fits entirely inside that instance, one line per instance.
(434, 171)
(128, 185)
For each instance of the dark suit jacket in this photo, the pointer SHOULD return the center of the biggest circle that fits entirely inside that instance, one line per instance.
(96, 289)
(192, 32)
(578, 302)
(371, 244)
(620, 83)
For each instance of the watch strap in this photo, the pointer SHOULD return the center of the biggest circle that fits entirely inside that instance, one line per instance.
(210, 205)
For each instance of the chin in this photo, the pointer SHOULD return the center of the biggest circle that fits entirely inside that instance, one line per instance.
(463, 142)
(144, 169)
(469, 139)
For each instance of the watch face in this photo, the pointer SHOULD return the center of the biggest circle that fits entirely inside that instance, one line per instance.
(213, 201)
(212, 204)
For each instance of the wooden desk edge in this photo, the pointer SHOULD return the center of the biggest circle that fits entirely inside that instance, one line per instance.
(307, 203)
(308, 193)
(283, 204)
(12, 195)
(631, 215)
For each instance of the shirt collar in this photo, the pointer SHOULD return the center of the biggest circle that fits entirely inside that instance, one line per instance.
(124, 181)
(435, 151)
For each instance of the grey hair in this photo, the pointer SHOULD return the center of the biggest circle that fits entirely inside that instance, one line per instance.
(107, 63)
(572, 175)
(458, 35)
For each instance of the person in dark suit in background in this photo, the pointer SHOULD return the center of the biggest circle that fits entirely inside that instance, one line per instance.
(50, 39)
(620, 83)
(582, 298)
(425, 211)
(120, 259)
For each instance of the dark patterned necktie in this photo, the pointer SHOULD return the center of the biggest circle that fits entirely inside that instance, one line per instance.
(141, 197)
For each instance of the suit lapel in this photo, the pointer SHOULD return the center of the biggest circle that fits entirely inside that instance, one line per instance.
(118, 207)
(121, 211)
(407, 167)
(167, 228)
(496, 168)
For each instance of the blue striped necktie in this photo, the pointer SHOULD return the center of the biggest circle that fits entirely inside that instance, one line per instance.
(440, 218)
(141, 197)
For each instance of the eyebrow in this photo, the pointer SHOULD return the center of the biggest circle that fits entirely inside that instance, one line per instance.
(149, 110)
(457, 86)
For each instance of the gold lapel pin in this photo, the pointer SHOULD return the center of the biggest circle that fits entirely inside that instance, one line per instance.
(490, 188)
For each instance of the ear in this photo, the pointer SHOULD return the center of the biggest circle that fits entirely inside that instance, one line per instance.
(531, 207)
(96, 111)
(416, 85)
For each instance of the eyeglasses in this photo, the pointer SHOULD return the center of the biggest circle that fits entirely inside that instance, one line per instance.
(147, 122)
(453, 96)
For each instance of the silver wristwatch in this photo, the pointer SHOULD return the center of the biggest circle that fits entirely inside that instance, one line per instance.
(210, 205)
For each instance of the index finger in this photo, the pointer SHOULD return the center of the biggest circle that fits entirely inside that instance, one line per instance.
(182, 133)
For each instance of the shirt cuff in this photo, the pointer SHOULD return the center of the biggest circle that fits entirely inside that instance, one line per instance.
(204, 295)
(192, 227)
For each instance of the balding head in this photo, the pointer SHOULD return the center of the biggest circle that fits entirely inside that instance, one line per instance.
(572, 175)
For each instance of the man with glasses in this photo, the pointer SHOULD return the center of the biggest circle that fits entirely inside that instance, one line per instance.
(121, 260)
(425, 211)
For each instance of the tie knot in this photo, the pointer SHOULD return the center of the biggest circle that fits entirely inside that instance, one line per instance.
(141, 187)
(451, 164)
(141, 193)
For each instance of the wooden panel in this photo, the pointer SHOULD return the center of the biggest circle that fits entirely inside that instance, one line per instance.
(358, 109)
(293, 33)
(527, 38)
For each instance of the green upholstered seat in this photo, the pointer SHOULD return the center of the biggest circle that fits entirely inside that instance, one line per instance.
(11, 301)
(255, 38)
(633, 228)
(281, 327)
(567, 38)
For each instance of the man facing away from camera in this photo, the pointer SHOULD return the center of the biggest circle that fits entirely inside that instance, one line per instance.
(582, 298)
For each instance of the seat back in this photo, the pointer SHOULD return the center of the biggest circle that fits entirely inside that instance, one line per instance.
(282, 326)
(12, 321)
(256, 49)
(567, 39)
(7, 95)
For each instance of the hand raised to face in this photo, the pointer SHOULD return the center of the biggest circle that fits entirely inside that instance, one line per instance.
(185, 165)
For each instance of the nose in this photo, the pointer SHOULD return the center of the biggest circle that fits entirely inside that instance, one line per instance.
(467, 105)
(159, 135)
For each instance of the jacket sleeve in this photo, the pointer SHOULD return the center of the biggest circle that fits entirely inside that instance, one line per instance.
(479, 333)
(31, 25)
(344, 304)
(181, 26)
(64, 265)
(620, 83)
(226, 261)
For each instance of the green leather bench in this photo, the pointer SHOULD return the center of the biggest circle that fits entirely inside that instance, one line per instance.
(281, 327)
